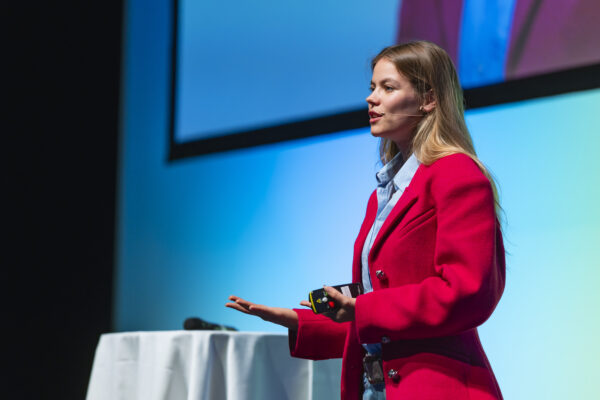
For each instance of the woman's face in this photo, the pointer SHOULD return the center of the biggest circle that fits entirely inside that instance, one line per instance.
(393, 105)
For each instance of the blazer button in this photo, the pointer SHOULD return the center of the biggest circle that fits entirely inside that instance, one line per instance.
(393, 375)
(385, 339)
(380, 274)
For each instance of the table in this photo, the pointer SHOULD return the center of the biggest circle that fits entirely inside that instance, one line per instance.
(186, 365)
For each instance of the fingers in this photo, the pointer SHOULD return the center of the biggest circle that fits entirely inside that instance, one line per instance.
(259, 309)
(240, 304)
(236, 306)
(247, 307)
(240, 301)
(346, 311)
(306, 303)
(335, 295)
(282, 316)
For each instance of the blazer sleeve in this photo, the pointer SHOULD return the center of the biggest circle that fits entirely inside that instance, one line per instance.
(317, 337)
(468, 264)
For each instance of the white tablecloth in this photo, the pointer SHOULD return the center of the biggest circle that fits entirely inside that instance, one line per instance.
(186, 365)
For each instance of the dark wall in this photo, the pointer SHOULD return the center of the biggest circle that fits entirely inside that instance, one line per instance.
(60, 178)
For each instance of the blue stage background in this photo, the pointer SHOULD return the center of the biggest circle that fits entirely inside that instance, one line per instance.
(270, 223)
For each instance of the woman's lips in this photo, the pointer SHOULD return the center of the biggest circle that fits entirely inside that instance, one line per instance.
(374, 117)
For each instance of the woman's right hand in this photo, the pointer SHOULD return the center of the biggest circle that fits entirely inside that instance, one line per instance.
(281, 316)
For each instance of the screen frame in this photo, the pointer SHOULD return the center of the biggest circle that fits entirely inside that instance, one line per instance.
(542, 85)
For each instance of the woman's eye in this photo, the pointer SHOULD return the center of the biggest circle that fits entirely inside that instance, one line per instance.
(385, 88)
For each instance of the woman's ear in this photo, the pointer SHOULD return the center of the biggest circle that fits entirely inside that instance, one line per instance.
(429, 102)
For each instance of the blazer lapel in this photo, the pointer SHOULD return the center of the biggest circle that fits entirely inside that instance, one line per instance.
(405, 201)
(362, 237)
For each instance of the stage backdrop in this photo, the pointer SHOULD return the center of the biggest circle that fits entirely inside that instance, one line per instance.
(243, 66)
(271, 223)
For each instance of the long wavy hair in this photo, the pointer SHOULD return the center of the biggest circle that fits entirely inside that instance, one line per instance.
(442, 131)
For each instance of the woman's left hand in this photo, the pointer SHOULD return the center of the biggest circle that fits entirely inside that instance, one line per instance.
(346, 311)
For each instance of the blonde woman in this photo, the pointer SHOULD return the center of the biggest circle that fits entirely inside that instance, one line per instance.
(429, 252)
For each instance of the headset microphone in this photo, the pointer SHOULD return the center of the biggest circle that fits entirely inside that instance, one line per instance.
(404, 115)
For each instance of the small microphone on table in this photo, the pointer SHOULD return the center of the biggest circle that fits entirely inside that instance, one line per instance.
(197, 324)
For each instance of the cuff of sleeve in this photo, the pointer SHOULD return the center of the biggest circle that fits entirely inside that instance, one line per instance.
(363, 316)
(317, 337)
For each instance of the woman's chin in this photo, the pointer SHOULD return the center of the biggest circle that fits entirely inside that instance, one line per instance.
(376, 133)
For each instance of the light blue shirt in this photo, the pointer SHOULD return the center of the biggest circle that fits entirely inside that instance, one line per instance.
(392, 180)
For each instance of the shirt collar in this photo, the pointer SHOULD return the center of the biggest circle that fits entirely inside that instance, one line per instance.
(389, 170)
(399, 171)
(406, 173)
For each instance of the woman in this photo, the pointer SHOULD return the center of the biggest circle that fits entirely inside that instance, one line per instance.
(429, 252)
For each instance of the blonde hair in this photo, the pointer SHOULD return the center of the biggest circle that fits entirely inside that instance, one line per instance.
(442, 131)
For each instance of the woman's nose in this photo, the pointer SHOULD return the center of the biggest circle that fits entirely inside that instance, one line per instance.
(372, 99)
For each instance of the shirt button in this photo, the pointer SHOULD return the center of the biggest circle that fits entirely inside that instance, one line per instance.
(380, 274)
(393, 375)
(385, 339)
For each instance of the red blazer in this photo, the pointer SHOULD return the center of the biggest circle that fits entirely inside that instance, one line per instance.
(437, 268)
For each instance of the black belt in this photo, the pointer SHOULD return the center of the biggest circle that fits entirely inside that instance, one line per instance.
(373, 368)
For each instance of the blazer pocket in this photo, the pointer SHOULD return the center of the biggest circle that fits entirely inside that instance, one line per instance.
(415, 222)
